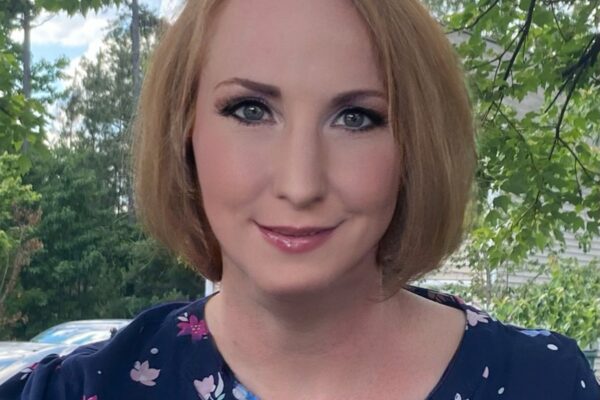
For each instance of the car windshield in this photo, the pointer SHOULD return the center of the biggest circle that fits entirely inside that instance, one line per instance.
(78, 333)
(72, 335)
(4, 362)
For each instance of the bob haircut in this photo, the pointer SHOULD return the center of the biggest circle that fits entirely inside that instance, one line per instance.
(429, 113)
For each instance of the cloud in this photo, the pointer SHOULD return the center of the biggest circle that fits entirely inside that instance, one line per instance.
(67, 31)
(170, 9)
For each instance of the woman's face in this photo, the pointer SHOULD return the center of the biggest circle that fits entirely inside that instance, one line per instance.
(298, 167)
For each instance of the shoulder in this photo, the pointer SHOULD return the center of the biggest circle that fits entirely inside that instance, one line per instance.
(132, 358)
(546, 364)
(501, 360)
(527, 363)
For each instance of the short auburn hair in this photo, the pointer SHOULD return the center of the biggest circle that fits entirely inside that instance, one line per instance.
(429, 112)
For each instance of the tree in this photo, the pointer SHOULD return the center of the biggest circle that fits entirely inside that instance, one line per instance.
(19, 215)
(103, 100)
(539, 171)
(96, 262)
(534, 76)
(557, 303)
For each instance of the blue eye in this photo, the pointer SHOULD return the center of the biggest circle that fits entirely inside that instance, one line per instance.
(251, 112)
(246, 111)
(359, 119)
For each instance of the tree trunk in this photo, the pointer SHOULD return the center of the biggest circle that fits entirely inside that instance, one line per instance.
(136, 74)
(135, 49)
(26, 58)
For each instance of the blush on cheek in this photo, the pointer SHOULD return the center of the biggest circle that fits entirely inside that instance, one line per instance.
(228, 173)
(368, 178)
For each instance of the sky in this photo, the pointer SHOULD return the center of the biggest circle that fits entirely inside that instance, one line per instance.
(74, 37)
(59, 35)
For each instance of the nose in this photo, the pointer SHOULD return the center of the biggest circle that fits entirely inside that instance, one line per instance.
(300, 175)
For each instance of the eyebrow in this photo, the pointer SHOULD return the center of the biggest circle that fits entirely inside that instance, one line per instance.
(274, 92)
(263, 88)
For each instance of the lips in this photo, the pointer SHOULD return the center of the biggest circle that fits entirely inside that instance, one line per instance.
(296, 232)
(296, 240)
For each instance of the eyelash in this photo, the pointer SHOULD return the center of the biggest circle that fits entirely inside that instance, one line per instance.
(228, 108)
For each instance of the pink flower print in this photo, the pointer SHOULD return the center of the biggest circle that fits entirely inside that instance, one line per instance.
(205, 386)
(192, 326)
(90, 398)
(143, 374)
(474, 318)
(207, 390)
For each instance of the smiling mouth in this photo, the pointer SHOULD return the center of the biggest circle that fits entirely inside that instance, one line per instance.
(296, 240)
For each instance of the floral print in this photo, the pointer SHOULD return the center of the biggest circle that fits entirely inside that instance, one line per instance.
(241, 393)
(473, 318)
(207, 390)
(493, 361)
(143, 374)
(25, 372)
(535, 332)
(192, 325)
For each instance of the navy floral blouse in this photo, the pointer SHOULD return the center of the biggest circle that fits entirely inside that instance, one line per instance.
(167, 353)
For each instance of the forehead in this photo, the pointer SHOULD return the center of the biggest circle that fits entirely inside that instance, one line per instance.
(318, 41)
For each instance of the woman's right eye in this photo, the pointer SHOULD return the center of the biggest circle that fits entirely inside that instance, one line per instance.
(249, 112)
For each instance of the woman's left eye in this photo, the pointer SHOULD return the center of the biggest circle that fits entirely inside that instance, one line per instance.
(358, 119)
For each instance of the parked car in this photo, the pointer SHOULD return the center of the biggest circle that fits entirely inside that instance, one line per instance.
(62, 339)
(13, 351)
(81, 332)
(19, 357)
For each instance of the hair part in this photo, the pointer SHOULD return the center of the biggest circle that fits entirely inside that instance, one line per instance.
(430, 116)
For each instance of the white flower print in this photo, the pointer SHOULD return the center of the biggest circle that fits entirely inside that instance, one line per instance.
(143, 374)
(207, 390)
(486, 372)
(27, 371)
(474, 318)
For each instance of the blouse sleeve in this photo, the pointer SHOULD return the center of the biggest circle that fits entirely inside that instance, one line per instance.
(48, 379)
(586, 385)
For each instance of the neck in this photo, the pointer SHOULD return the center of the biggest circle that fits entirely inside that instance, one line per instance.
(281, 338)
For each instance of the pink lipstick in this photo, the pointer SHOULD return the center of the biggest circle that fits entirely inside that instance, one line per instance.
(296, 240)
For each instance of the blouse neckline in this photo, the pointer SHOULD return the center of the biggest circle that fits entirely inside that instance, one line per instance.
(430, 294)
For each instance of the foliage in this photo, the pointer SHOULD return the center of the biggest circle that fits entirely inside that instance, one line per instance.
(74, 6)
(568, 303)
(19, 215)
(566, 300)
(94, 263)
(99, 104)
(20, 118)
(534, 76)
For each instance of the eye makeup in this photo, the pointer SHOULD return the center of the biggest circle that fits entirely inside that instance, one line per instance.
(229, 108)
(233, 107)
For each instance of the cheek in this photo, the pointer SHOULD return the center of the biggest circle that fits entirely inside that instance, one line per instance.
(368, 176)
(229, 171)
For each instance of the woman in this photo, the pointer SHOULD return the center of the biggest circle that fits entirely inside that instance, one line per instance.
(313, 157)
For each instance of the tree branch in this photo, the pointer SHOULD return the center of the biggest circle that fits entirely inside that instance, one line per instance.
(560, 32)
(562, 114)
(478, 19)
(524, 33)
(586, 171)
